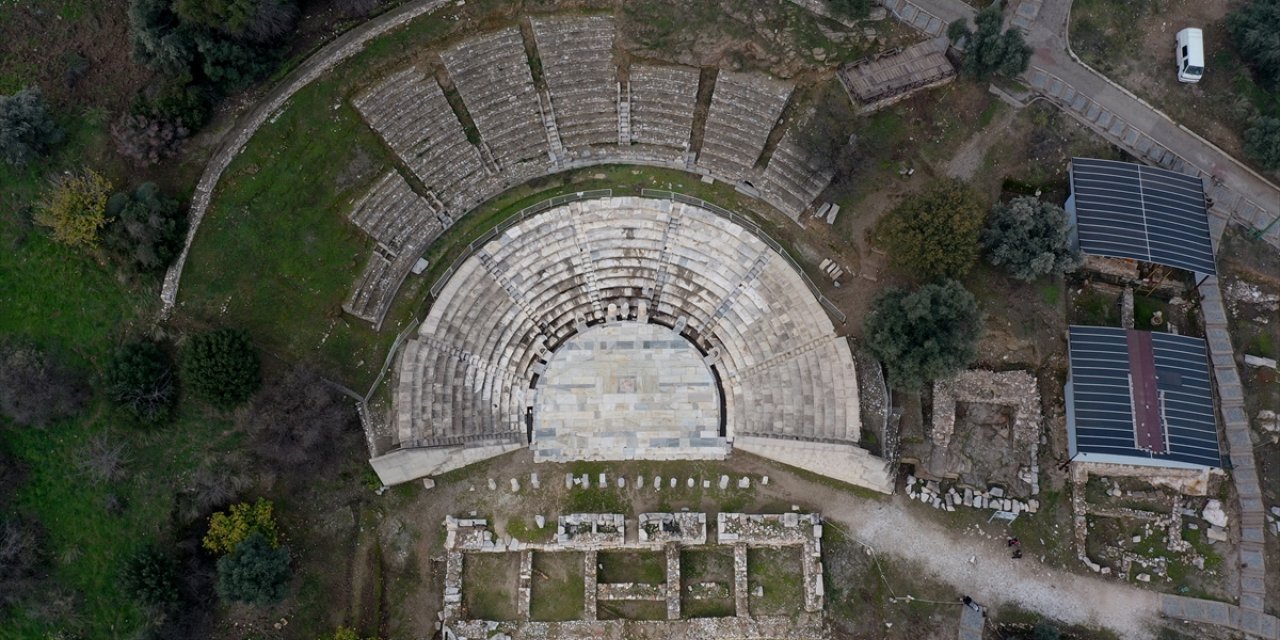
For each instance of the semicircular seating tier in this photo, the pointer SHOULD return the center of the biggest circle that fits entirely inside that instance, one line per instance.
(784, 380)
(583, 107)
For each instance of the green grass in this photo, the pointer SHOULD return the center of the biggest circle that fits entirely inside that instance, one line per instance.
(87, 544)
(1050, 292)
(557, 587)
(1144, 310)
(525, 531)
(1096, 308)
(275, 254)
(490, 584)
(710, 564)
(778, 571)
(647, 567)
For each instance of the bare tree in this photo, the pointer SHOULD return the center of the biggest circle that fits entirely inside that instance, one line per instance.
(36, 390)
(299, 420)
(19, 556)
(102, 459)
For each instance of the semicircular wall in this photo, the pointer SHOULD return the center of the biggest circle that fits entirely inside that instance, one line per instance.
(467, 381)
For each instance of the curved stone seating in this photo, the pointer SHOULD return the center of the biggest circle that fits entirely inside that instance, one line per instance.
(794, 178)
(744, 109)
(469, 377)
(662, 103)
(399, 219)
(492, 75)
(577, 65)
(411, 113)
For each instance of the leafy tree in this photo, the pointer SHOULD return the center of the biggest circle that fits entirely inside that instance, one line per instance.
(256, 20)
(26, 128)
(1030, 238)
(148, 139)
(255, 573)
(924, 335)
(989, 51)
(160, 40)
(35, 389)
(935, 233)
(231, 65)
(1255, 28)
(151, 577)
(147, 229)
(140, 378)
(75, 207)
(228, 529)
(1262, 140)
(221, 366)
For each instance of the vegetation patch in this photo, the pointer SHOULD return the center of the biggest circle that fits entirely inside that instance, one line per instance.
(558, 587)
(700, 567)
(646, 567)
(491, 586)
(776, 576)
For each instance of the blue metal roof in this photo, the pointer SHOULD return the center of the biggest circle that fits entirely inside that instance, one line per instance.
(1126, 210)
(1100, 398)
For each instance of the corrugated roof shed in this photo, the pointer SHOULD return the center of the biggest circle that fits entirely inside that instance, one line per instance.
(1126, 210)
(1140, 398)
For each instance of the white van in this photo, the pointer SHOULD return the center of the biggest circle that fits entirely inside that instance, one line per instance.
(1190, 55)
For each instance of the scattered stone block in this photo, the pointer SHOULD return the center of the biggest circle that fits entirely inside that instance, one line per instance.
(533, 481)
(493, 486)
(515, 486)
(428, 483)
(724, 482)
(1214, 514)
(744, 483)
(622, 482)
(569, 481)
(764, 481)
(540, 521)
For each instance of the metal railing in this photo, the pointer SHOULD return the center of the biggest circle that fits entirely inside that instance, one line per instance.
(520, 216)
(760, 233)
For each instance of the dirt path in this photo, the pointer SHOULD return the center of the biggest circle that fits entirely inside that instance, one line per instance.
(968, 158)
(975, 564)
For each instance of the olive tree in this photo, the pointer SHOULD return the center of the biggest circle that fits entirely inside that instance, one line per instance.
(1030, 238)
(924, 335)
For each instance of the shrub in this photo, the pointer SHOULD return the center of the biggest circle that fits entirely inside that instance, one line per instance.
(148, 139)
(1254, 27)
(150, 576)
(1030, 238)
(146, 230)
(852, 9)
(935, 233)
(36, 390)
(1262, 142)
(140, 379)
(255, 573)
(990, 52)
(26, 128)
(75, 208)
(299, 421)
(924, 335)
(356, 8)
(221, 366)
(228, 529)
